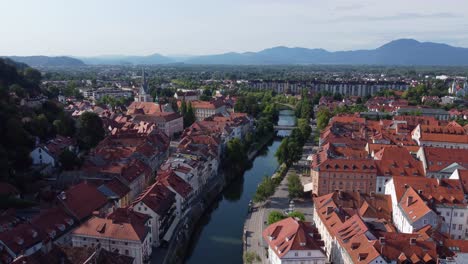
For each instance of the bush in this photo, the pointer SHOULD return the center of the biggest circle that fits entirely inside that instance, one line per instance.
(275, 216)
(297, 215)
(251, 257)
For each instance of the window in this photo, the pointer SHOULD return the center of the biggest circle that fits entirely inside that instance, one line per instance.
(460, 227)
(447, 213)
(454, 226)
(462, 214)
(126, 252)
(296, 254)
(126, 243)
(455, 214)
(113, 242)
(425, 221)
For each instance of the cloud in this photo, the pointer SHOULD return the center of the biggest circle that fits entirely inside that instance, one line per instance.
(399, 16)
(349, 7)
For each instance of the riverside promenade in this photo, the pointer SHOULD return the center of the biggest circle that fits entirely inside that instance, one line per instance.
(256, 220)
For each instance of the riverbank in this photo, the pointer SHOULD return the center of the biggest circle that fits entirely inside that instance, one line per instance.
(183, 238)
(256, 220)
(219, 235)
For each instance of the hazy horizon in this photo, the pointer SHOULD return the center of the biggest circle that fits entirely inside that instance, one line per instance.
(177, 28)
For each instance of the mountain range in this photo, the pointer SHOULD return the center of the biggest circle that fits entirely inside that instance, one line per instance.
(46, 61)
(402, 52)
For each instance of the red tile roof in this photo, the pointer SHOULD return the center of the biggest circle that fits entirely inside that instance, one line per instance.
(147, 108)
(157, 197)
(171, 180)
(113, 229)
(439, 158)
(82, 200)
(397, 161)
(291, 234)
(213, 104)
(444, 191)
(443, 134)
(117, 187)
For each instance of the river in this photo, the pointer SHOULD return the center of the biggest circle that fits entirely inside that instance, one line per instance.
(286, 118)
(218, 238)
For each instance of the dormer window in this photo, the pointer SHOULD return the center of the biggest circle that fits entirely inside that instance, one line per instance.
(19, 240)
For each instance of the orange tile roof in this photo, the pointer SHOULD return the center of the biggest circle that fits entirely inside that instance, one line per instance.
(397, 161)
(290, 234)
(439, 158)
(443, 134)
(82, 200)
(444, 191)
(111, 229)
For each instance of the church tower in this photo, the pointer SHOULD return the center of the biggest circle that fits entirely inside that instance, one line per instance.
(143, 95)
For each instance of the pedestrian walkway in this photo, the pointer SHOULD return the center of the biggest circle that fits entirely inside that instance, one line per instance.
(257, 220)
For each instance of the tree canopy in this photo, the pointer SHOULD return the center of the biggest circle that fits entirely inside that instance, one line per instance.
(295, 188)
(90, 130)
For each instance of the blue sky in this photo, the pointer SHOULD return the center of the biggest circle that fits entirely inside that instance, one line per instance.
(141, 27)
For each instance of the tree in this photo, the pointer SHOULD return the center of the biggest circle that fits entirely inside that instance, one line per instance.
(304, 127)
(64, 126)
(42, 127)
(189, 117)
(297, 215)
(264, 190)
(90, 130)
(295, 188)
(68, 160)
(323, 117)
(236, 156)
(289, 150)
(275, 216)
(251, 257)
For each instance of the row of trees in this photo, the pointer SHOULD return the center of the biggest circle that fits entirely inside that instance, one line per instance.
(290, 150)
(186, 110)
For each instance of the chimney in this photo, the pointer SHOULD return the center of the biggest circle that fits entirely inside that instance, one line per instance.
(372, 193)
(382, 240)
(329, 210)
(409, 200)
(412, 241)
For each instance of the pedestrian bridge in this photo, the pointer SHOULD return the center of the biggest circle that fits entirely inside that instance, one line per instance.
(284, 127)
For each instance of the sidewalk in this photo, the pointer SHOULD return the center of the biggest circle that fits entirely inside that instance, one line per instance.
(257, 220)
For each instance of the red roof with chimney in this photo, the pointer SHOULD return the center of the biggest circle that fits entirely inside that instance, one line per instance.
(82, 200)
(291, 234)
(171, 180)
(157, 197)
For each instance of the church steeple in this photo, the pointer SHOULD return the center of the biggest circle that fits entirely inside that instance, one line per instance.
(143, 95)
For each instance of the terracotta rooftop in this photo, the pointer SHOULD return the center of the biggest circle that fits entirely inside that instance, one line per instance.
(82, 200)
(116, 227)
(291, 234)
(440, 158)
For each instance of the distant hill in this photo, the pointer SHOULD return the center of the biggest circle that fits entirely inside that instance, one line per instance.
(398, 52)
(46, 61)
(404, 52)
(121, 59)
